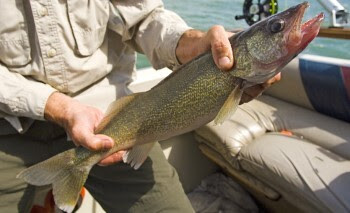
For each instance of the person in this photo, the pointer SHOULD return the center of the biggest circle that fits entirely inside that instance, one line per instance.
(62, 63)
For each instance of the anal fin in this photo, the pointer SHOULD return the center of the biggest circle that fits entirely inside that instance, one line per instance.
(137, 154)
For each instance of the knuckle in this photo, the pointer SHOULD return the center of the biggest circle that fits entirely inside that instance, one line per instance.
(215, 31)
(220, 48)
(218, 45)
(216, 28)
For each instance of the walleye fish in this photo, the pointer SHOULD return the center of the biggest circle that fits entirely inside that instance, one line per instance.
(190, 97)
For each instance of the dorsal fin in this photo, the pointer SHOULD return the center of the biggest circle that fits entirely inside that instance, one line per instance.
(229, 106)
(114, 108)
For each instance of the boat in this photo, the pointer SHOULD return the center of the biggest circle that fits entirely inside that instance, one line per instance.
(289, 149)
(289, 122)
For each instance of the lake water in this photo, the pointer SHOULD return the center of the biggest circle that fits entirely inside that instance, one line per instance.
(202, 14)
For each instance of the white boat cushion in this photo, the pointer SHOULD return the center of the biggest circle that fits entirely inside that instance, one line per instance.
(276, 115)
(268, 114)
(311, 167)
(305, 174)
(232, 135)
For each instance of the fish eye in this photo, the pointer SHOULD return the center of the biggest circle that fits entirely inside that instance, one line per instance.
(276, 26)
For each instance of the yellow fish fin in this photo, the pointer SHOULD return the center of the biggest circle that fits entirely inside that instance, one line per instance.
(114, 108)
(137, 154)
(230, 105)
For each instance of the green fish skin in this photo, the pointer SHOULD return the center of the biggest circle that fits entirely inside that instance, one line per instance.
(190, 97)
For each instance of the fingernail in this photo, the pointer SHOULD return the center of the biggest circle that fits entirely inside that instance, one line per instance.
(224, 62)
(107, 144)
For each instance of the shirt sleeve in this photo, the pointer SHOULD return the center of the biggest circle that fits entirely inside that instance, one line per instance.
(21, 96)
(149, 29)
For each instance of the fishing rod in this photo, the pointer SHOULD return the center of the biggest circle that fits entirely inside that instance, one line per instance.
(256, 10)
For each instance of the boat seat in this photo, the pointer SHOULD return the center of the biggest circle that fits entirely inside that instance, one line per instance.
(291, 144)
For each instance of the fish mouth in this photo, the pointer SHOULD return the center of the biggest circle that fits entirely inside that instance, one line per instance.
(303, 33)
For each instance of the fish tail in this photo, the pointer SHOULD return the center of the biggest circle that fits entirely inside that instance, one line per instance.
(67, 172)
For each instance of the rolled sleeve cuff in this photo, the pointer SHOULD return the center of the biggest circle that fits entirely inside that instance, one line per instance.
(31, 101)
(171, 41)
(159, 35)
(35, 102)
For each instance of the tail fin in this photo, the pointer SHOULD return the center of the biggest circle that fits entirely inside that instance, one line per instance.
(67, 172)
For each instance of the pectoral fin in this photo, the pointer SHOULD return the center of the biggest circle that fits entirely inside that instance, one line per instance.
(230, 105)
(137, 154)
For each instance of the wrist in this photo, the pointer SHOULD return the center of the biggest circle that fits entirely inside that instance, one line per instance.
(187, 47)
(57, 108)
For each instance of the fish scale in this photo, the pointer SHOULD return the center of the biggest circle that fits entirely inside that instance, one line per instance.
(181, 102)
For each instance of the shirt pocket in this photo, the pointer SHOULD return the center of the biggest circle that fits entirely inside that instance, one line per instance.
(14, 41)
(88, 20)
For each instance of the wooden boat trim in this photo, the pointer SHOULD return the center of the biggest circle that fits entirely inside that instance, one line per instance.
(332, 32)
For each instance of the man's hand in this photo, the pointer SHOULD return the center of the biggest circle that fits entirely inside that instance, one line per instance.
(80, 122)
(252, 92)
(194, 42)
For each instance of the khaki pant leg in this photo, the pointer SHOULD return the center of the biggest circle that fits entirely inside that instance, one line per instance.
(154, 187)
(18, 152)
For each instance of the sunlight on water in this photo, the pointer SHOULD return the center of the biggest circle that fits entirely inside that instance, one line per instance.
(202, 14)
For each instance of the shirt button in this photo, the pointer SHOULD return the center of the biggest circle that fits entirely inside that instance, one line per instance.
(43, 11)
(51, 53)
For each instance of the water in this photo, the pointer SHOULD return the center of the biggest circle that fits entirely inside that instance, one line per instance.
(202, 14)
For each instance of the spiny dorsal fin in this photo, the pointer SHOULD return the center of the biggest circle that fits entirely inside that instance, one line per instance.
(137, 154)
(114, 108)
(230, 105)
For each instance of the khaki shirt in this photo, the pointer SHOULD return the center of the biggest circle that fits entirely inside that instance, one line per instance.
(81, 48)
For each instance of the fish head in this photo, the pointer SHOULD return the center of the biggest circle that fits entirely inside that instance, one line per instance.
(266, 47)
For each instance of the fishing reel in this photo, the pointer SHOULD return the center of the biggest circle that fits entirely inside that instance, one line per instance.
(254, 11)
